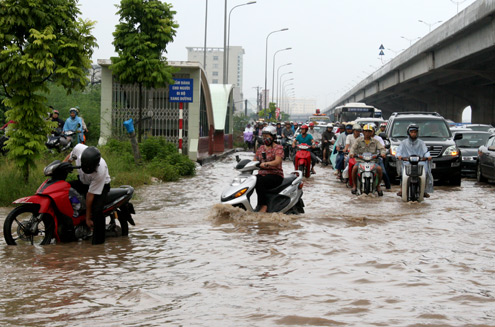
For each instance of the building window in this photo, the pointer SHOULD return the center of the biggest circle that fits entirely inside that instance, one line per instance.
(215, 81)
(215, 65)
(215, 73)
(215, 57)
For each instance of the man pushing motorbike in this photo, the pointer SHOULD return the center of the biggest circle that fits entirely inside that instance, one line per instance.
(363, 144)
(93, 183)
(414, 146)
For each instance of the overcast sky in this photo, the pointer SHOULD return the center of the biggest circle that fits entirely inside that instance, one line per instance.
(335, 44)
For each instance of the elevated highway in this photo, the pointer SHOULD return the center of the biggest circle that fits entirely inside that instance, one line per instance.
(447, 70)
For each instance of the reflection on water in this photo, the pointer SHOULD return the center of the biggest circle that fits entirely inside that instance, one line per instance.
(192, 262)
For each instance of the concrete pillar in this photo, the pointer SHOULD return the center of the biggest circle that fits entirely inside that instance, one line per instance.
(106, 105)
(483, 110)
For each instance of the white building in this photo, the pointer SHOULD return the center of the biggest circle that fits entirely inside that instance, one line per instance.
(214, 68)
(299, 106)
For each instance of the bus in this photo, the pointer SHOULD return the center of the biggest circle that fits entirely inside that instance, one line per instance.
(353, 110)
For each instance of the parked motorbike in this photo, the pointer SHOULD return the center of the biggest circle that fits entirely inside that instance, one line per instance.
(367, 178)
(413, 179)
(60, 141)
(285, 198)
(302, 161)
(56, 211)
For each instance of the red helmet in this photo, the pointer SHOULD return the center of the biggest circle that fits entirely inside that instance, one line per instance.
(304, 126)
(312, 124)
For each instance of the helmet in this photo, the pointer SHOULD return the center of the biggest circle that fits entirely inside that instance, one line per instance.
(413, 127)
(269, 130)
(369, 127)
(55, 111)
(287, 123)
(329, 125)
(383, 124)
(73, 109)
(348, 126)
(90, 160)
(356, 127)
(304, 126)
(312, 124)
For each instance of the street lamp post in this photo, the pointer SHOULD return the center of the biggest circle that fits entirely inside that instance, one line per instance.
(266, 60)
(429, 24)
(206, 29)
(227, 51)
(280, 85)
(273, 67)
(283, 88)
(410, 40)
(458, 2)
(278, 79)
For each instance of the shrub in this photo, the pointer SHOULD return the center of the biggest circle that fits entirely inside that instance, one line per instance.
(156, 146)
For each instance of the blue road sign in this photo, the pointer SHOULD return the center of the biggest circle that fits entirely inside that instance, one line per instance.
(381, 53)
(181, 91)
(381, 47)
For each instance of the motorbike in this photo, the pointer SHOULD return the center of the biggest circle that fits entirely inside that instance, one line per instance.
(302, 160)
(285, 198)
(413, 179)
(289, 151)
(60, 140)
(56, 211)
(318, 151)
(367, 178)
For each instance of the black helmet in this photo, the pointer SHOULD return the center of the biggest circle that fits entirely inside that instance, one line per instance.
(413, 127)
(90, 160)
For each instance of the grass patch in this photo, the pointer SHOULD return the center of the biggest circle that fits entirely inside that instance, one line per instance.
(161, 160)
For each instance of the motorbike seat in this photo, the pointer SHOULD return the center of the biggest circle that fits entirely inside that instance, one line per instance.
(286, 182)
(115, 193)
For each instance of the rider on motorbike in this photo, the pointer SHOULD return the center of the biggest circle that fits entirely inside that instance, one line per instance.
(327, 139)
(306, 138)
(271, 173)
(56, 118)
(287, 132)
(75, 124)
(340, 146)
(349, 142)
(94, 184)
(368, 144)
(414, 146)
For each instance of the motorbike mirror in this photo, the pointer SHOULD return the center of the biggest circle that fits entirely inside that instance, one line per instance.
(383, 135)
(263, 154)
(237, 159)
(458, 136)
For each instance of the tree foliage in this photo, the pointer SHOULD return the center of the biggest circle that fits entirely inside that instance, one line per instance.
(145, 28)
(41, 41)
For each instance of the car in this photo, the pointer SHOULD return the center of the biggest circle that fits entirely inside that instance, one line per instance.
(479, 127)
(435, 132)
(485, 168)
(468, 146)
(376, 121)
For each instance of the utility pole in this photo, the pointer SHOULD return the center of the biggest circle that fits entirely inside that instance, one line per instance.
(258, 99)
(245, 107)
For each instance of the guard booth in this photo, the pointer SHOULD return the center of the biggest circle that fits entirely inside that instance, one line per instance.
(161, 116)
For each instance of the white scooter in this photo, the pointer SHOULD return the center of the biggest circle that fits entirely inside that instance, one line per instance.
(285, 198)
(366, 175)
(413, 179)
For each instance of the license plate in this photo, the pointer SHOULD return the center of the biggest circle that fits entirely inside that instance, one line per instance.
(433, 165)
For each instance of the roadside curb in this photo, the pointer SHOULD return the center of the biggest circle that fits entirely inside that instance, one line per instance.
(215, 157)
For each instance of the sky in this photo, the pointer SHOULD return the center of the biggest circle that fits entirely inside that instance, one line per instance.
(335, 44)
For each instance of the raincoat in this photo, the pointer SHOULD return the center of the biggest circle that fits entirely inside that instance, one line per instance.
(407, 148)
(74, 124)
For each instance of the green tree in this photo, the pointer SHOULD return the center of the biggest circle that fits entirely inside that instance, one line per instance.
(41, 41)
(141, 37)
(269, 113)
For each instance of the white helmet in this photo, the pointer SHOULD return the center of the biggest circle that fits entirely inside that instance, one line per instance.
(329, 125)
(270, 130)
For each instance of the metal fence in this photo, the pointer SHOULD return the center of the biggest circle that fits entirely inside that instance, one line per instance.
(159, 116)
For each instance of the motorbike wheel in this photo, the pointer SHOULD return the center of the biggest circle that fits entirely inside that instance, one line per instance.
(16, 227)
(413, 192)
(302, 168)
(367, 186)
(124, 215)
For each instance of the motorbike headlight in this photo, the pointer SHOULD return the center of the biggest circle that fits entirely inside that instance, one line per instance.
(240, 193)
(451, 151)
(393, 150)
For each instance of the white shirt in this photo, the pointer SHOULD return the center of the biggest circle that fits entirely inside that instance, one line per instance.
(96, 180)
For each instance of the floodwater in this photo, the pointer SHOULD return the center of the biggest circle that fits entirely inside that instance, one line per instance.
(190, 262)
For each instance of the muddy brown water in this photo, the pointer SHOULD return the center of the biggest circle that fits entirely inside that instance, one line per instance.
(191, 262)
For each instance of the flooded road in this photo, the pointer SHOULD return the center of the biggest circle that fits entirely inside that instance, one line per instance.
(191, 262)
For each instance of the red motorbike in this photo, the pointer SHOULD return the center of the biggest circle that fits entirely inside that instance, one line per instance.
(302, 161)
(55, 212)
